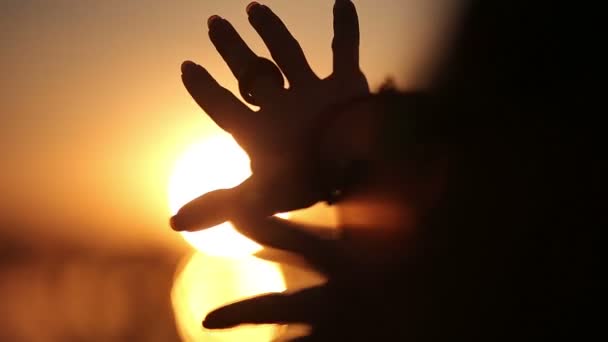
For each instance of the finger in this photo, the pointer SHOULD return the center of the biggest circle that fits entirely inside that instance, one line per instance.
(345, 44)
(219, 103)
(212, 208)
(292, 237)
(205, 211)
(254, 195)
(299, 307)
(283, 47)
(281, 257)
(230, 45)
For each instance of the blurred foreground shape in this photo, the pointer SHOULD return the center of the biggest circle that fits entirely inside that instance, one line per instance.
(67, 293)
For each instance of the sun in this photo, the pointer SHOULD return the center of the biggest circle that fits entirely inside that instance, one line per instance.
(207, 282)
(217, 162)
(223, 269)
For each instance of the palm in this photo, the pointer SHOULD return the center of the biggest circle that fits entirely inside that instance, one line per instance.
(278, 136)
(287, 126)
(291, 115)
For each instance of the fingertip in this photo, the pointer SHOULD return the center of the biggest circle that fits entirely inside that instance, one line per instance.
(252, 5)
(187, 67)
(206, 323)
(344, 8)
(174, 223)
(212, 321)
(212, 20)
(342, 3)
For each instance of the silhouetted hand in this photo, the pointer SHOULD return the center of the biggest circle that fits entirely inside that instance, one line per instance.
(378, 284)
(362, 274)
(280, 136)
(366, 297)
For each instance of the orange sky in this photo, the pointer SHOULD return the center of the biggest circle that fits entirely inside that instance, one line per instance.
(93, 113)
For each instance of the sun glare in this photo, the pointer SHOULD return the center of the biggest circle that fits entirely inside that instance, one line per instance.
(214, 163)
(207, 282)
(223, 270)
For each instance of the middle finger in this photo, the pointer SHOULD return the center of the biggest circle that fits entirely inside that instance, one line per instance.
(230, 45)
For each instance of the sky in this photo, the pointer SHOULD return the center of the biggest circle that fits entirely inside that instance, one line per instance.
(93, 114)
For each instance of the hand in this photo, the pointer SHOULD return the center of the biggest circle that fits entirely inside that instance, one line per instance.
(379, 281)
(360, 301)
(278, 137)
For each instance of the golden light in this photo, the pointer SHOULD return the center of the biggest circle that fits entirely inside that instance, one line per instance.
(214, 163)
(223, 270)
(208, 282)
